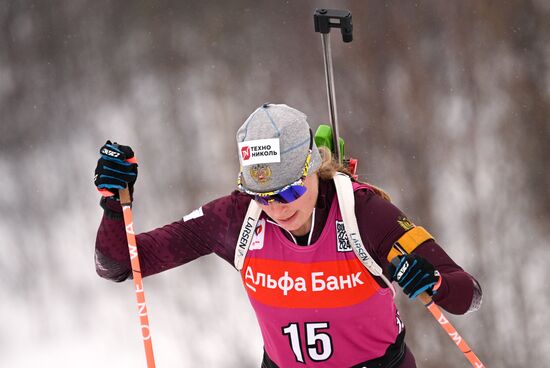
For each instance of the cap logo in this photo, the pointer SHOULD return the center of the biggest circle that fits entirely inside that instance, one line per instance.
(260, 151)
(260, 173)
(245, 153)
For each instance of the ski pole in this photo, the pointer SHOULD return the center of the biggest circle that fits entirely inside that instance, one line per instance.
(126, 202)
(444, 322)
(324, 20)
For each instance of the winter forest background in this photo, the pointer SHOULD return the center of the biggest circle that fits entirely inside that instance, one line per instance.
(445, 103)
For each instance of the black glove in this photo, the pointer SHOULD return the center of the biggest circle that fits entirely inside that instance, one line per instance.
(414, 274)
(116, 169)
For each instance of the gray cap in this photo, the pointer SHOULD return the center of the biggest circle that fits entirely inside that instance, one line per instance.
(273, 146)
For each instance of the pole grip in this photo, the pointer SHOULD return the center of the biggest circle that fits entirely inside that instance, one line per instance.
(124, 196)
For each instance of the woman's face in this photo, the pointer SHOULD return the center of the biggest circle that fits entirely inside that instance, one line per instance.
(295, 216)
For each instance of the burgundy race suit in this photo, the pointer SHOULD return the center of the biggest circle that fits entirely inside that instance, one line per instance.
(215, 227)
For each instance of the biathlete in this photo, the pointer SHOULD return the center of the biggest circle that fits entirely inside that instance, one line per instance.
(316, 303)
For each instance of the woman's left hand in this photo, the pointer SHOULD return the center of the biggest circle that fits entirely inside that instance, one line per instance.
(415, 275)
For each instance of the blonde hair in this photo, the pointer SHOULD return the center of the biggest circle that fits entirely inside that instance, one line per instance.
(329, 167)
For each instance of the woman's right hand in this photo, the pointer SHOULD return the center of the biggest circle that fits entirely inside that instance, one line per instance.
(116, 169)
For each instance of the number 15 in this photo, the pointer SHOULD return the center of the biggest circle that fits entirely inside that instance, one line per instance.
(319, 344)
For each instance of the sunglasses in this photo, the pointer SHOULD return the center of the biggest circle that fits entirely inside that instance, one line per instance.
(286, 194)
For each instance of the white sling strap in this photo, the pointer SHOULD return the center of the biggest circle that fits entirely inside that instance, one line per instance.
(346, 201)
(247, 232)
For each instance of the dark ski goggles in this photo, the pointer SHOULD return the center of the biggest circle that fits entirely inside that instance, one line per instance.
(286, 194)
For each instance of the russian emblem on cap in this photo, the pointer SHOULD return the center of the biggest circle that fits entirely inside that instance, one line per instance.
(260, 173)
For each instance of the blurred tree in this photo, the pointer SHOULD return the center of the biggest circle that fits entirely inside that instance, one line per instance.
(446, 105)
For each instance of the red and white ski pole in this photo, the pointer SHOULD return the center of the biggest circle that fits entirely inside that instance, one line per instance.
(126, 202)
(428, 302)
(451, 331)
